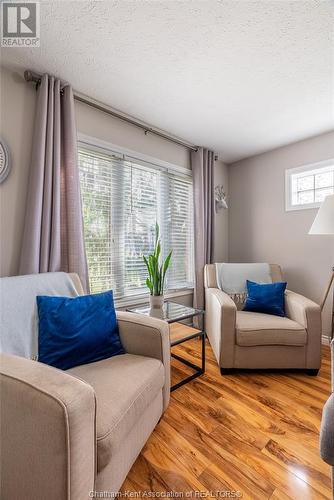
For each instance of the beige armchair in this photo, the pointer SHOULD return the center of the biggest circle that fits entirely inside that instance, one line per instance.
(242, 339)
(66, 434)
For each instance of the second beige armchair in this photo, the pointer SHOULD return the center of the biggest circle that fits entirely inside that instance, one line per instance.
(242, 339)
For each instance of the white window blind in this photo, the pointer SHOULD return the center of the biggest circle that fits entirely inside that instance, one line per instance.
(122, 200)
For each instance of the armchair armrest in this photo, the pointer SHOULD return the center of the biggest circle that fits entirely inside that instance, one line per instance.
(47, 432)
(302, 310)
(308, 314)
(147, 336)
(220, 320)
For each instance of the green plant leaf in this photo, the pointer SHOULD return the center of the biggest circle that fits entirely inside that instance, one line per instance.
(160, 281)
(147, 265)
(167, 262)
(151, 261)
(164, 269)
(149, 285)
(156, 270)
(158, 250)
(157, 232)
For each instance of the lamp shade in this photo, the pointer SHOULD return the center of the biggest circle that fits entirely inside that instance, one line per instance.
(324, 220)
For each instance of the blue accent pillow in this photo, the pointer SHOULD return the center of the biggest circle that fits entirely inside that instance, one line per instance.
(76, 331)
(266, 298)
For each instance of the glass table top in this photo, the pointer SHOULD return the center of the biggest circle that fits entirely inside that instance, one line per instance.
(170, 311)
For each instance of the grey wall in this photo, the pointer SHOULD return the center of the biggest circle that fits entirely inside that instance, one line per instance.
(262, 231)
(221, 217)
(17, 108)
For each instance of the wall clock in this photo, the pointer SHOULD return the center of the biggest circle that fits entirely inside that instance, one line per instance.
(5, 163)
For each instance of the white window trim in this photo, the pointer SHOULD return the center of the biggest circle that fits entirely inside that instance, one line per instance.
(303, 168)
(129, 154)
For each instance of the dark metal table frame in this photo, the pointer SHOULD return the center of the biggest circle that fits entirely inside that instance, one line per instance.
(199, 370)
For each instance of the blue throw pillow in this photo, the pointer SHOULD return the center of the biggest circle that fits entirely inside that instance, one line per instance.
(265, 298)
(76, 331)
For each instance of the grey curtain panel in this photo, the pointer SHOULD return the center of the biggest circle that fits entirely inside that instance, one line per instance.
(53, 238)
(202, 164)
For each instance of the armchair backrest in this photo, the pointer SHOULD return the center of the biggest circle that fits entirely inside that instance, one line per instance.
(210, 280)
(18, 319)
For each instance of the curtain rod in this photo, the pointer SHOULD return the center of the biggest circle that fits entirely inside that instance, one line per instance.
(31, 76)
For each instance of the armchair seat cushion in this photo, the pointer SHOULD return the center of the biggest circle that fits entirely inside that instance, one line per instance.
(124, 386)
(257, 329)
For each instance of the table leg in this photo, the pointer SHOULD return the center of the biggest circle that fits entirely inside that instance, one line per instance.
(199, 370)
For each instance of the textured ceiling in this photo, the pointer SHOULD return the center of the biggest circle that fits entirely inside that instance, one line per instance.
(241, 77)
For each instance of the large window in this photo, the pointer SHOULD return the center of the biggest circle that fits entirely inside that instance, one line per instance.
(307, 187)
(122, 199)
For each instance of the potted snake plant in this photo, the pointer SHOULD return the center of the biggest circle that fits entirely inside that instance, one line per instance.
(157, 270)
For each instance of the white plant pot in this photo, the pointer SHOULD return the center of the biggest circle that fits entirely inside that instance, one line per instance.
(157, 312)
(156, 301)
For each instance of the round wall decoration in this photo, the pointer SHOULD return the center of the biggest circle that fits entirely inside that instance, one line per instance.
(5, 163)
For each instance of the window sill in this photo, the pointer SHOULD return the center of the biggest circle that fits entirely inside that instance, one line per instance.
(305, 206)
(144, 299)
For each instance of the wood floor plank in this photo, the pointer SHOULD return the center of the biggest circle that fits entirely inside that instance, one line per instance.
(254, 432)
(177, 475)
(317, 478)
(264, 412)
(224, 467)
(278, 474)
(182, 449)
(279, 495)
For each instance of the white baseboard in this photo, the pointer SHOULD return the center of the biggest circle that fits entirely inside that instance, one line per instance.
(324, 339)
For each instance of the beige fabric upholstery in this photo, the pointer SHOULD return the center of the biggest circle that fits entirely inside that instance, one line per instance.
(122, 459)
(265, 329)
(47, 432)
(64, 434)
(147, 337)
(307, 313)
(124, 386)
(269, 356)
(220, 317)
(253, 340)
(276, 273)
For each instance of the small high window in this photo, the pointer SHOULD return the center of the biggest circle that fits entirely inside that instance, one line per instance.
(308, 186)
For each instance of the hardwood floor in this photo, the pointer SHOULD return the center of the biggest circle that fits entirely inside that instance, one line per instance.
(252, 433)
